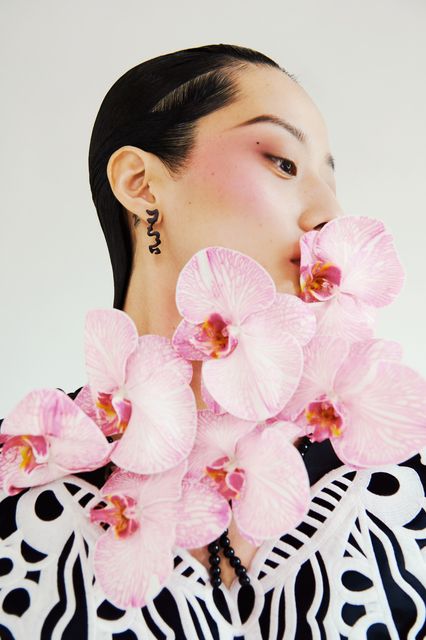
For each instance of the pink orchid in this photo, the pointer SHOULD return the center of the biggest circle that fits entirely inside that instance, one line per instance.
(256, 467)
(134, 557)
(45, 437)
(247, 336)
(347, 270)
(140, 389)
(360, 396)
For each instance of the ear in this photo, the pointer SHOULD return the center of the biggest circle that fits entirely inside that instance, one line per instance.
(131, 174)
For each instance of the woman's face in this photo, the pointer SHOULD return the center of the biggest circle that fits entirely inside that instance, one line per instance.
(255, 188)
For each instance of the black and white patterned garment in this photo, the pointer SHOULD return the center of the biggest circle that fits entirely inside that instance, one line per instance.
(353, 569)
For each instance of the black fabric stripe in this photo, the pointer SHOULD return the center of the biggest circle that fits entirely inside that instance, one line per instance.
(168, 611)
(325, 600)
(264, 618)
(403, 608)
(79, 619)
(59, 608)
(212, 623)
(304, 591)
(156, 632)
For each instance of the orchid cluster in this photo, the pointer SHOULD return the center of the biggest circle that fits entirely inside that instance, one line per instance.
(275, 367)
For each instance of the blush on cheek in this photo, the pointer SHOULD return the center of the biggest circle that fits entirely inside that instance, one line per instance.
(236, 178)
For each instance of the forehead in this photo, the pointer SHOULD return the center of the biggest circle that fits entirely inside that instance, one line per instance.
(266, 90)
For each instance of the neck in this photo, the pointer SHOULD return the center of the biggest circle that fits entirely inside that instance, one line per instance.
(153, 309)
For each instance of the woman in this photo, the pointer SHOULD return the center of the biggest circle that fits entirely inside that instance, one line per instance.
(220, 146)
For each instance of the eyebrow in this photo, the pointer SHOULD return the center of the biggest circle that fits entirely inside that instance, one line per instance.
(297, 133)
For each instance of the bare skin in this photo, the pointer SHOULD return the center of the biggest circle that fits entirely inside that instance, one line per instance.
(233, 194)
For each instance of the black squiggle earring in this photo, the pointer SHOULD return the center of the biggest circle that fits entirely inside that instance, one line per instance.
(150, 232)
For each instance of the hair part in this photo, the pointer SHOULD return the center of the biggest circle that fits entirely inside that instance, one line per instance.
(155, 106)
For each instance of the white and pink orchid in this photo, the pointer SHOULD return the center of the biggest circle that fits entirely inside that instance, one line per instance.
(255, 467)
(247, 336)
(140, 389)
(134, 557)
(360, 396)
(348, 269)
(45, 437)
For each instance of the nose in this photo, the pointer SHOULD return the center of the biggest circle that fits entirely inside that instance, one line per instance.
(320, 206)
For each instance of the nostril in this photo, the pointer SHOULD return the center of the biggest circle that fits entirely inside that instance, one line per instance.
(320, 225)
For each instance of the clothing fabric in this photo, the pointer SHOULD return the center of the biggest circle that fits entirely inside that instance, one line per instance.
(353, 569)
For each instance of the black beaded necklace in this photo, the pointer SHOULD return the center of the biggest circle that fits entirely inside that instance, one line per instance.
(224, 542)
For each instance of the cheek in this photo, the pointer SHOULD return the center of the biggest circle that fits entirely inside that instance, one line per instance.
(245, 207)
(232, 180)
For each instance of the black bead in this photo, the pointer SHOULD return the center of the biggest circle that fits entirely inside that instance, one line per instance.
(213, 548)
(215, 571)
(214, 559)
(229, 552)
(244, 580)
(224, 541)
(234, 561)
(240, 571)
(216, 582)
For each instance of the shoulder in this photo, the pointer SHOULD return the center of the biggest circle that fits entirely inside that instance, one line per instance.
(359, 553)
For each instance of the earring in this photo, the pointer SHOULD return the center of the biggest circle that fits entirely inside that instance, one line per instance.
(150, 232)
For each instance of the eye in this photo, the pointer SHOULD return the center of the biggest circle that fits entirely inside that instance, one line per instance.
(286, 165)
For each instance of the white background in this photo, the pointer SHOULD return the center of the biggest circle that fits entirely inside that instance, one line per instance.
(362, 62)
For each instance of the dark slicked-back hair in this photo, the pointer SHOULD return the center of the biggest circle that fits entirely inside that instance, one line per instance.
(155, 106)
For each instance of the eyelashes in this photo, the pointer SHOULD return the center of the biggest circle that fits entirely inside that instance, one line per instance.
(285, 161)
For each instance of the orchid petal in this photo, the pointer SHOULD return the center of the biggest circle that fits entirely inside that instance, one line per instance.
(290, 430)
(387, 416)
(13, 480)
(225, 281)
(216, 437)
(260, 375)
(345, 317)
(74, 441)
(211, 403)
(110, 337)
(276, 492)
(132, 570)
(184, 340)
(366, 254)
(296, 317)
(160, 349)
(162, 426)
(203, 514)
(360, 359)
(322, 358)
(84, 400)
(147, 489)
(25, 416)
(307, 248)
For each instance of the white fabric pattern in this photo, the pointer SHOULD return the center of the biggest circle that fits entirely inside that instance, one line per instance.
(354, 568)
